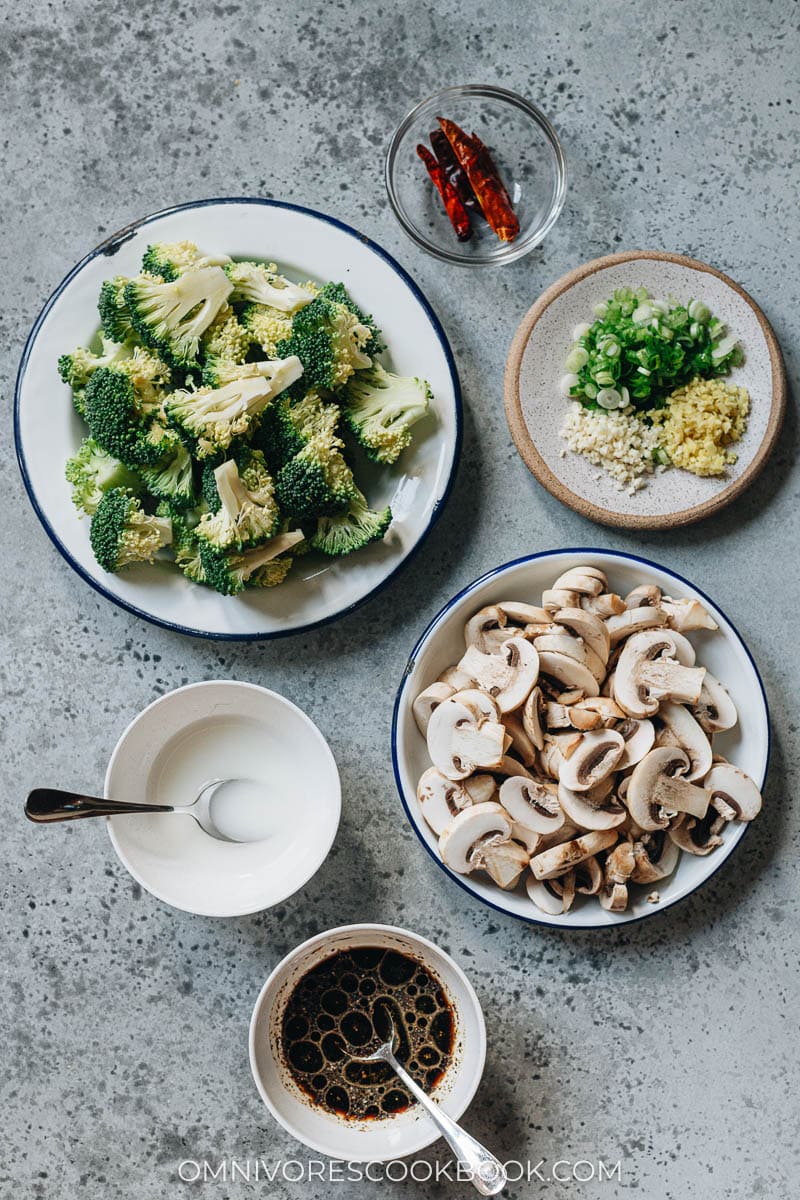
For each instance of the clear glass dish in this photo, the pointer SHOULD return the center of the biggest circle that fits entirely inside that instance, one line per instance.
(526, 151)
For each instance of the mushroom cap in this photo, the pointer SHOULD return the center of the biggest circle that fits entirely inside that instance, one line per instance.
(523, 614)
(639, 738)
(532, 803)
(567, 855)
(440, 799)
(689, 736)
(521, 743)
(508, 675)
(545, 896)
(574, 647)
(656, 856)
(485, 621)
(531, 717)
(458, 742)
(456, 678)
(473, 828)
(648, 672)
(588, 626)
(693, 836)
(685, 615)
(620, 863)
(731, 787)
(427, 701)
(643, 596)
(592, 810)
(658, 787)
(593, 759)
(586, 580)
(608, 604)
(634, 620)
(714, 711)
(479, 702)
(480, 788)
(588, 877)
(613, 897)
(555, 598)
(568, 671)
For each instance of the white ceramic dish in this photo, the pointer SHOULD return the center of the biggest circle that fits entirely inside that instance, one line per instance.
(536, 409)
(221, 729)
(723, 652)
(307, 245)
(377, 1140)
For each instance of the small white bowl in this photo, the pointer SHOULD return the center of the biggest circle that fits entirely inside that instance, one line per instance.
(723, 652)
(367, 1140)
(220, 730)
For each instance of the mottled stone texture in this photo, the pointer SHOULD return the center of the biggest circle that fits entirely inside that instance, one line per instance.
(670, 1045)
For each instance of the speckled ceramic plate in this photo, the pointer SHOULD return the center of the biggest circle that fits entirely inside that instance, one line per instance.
(723, 652)
(535, 408)
(307, 245)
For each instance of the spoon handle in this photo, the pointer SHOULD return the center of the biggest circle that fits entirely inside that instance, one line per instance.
(488, 1175)
(49, 804)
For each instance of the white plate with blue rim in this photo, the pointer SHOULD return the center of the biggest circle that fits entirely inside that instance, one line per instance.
(306, 245)
(723, 652)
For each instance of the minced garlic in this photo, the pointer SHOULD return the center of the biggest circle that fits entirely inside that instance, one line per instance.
(616, 440)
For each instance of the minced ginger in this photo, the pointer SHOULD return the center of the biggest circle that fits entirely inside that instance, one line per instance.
(699, 424)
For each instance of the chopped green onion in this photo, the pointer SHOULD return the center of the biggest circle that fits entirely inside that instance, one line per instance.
(577, 358)
(699, 311)
(580, 331)
(723, 348)
(600, 310)
(609, 398)
(643, 313)
(567, 383)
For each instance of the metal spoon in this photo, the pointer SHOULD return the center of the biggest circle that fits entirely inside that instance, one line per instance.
(488, 1175)
(45, 805)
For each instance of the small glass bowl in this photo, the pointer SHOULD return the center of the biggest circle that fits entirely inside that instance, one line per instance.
(525, 149)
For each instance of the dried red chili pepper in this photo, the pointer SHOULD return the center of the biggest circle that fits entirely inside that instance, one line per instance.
(456, 212)
(453, 171)
(484, 179)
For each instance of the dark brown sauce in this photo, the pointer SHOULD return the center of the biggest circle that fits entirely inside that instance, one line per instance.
(342, 1008)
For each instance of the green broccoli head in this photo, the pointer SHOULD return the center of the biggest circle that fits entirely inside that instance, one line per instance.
(185, 544)
(226, 338)
(317, 481)
(380, 408)
(351, 530)
(258, 283)
(172, 317)
(92, 472)
(266, 326)
(171, 259)
(332, 339)
(248, 513)
(76, 368)
(172, 477)
(288, 424)
(219, 371)
(122, 532)
(210, 418)
(115, 317)
(229, 572)
(118, 421)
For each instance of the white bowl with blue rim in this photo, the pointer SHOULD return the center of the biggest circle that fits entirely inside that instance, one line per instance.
(306, 245)
(723, 652)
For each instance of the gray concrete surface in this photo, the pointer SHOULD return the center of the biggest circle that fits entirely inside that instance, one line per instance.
(670, 1046)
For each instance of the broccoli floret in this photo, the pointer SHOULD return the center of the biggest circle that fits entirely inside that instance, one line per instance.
(115, 317)
(351, 530)
(122, 533)
(266, 326)
(149, 375)
(288, 424)
(172, 477)
(92, 472)
(339, 294)
(248, 513)
(317, 482)
(331, 338)
(171, 317)
(219, 371)
(208, 485)
(226, 338)
(210, 418)
(230, 572)
(118, 421)
(257, 283)
(76, 368)
(380, 408)
(171, 259)
(185, 545)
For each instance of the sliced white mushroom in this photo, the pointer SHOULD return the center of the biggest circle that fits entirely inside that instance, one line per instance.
(459, 744)
(473, 829)
(478, 702)
(715, 711)
(648, 672)
(512, 767)
(697, 837)
(593, 760)
(521, 744)
(684, 650)
(639, 738)
(480, 788)
(689, 736)
(685, 615)
(585, 580)
(550, 758)
(531, 718)
(555, 598)
(656, 857)
(608, 604)
(613, 897)
(440, 799)
(547, 895)
(658, 789)
(587, 626)
(532, 803)
(427, 701)
(562, 858)
(487, 621)
(597, 809)
(633, 620)
(523, 614)
(566, 833)
(603, 706)
(508, 676)
(734, 795)
(588, 877)
(646, 595)
(568, 671)
(504, 862)
(458, 680)
(573, 647)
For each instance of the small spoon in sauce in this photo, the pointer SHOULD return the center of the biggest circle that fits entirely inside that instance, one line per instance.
(231, 810)
(487, 1174)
